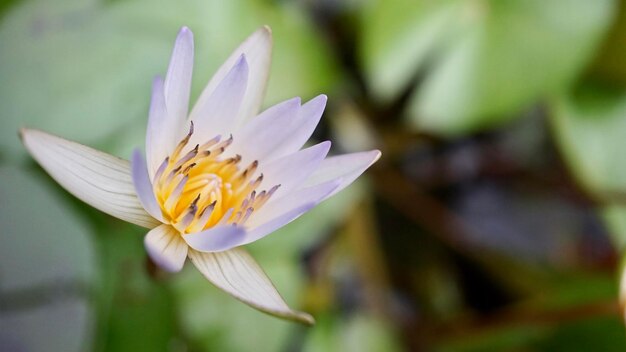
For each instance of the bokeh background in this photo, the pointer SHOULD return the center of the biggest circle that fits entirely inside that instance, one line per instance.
(495, 220)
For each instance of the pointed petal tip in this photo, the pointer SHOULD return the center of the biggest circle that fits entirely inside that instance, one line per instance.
(158, 79)
(25, 132)
(325, 145)
(292, 103)
(21, 133)
(184, 39)
(266, 28)
(264, 32)
(27, 136)
(303, 318)
(241, 60)
(136, 156)
(235, 272)
(185, 32)
(306, 319)
(321, 98)
(241, 66)
(377, 154)
(314, 108)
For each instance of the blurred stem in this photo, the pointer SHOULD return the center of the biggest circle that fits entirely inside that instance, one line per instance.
(416, 205)
(521, 317)
(361, 236)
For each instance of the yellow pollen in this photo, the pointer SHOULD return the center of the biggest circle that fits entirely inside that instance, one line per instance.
(197, 188)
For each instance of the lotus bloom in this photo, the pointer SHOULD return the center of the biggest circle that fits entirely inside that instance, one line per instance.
(214, 179)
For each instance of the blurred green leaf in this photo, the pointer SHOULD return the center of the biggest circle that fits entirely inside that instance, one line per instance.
(83, 69)
(397, 36)
(499, 339)
(515, 52)
(498, 56)
(556, 301)
(47, 267)
(598, 334)
(589, 126)
(361, 332)
(615, 218)
(213, 320)
(136, 309)
(609, 63)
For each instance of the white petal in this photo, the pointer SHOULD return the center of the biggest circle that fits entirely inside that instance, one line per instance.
(260, 137)
(238, 274)
(257, 48)
(216, 239)
(178, 79)
(166, 248)
(143, 186)
(215, 115)
(99, 179)
(279, 212)
(346, 167)
(162, 130)
(292, 170)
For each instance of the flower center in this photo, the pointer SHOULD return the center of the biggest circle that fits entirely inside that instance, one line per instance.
(200, 189)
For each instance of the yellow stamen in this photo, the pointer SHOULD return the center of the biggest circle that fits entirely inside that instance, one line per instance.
(197, 189)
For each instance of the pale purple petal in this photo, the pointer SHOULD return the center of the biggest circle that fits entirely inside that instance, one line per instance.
(162, 130)
(280, 212)
(257, 48)
(216, 239)
(346, 167)
(215, 115)
(260, 137)
(178, 79)
(238, 274)
(306, 121)
(166, 248)
(143, 186)
(98, 179)
(292, 170)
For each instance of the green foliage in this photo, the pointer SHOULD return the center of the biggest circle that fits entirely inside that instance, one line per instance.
(47, 266)
(84, 69)
(491, 59)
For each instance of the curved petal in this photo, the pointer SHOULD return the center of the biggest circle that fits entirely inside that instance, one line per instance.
(178, 79)
(166, 248)
(306, 121)
(98, 179)
(292, 170)
(257, 48)
(162, 131)
(143, 186)
(279, 212)
(215, 115)
(238, 274)
(216, 239)
(346, 167)
(258, 139)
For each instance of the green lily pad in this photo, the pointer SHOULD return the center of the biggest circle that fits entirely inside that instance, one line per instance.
(47, 267)
(84, 69)
(589, 127)
(493, 58)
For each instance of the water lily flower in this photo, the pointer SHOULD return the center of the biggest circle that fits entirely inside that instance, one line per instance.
(216, 178)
